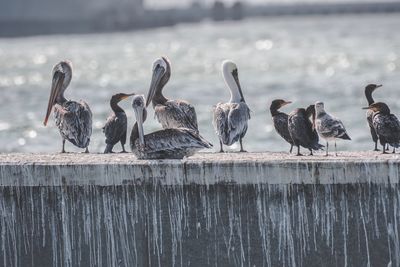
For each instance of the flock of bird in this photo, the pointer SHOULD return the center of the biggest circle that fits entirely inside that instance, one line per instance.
(180, 135)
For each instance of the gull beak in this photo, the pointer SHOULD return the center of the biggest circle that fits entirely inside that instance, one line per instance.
(58, 81)
(155, 81)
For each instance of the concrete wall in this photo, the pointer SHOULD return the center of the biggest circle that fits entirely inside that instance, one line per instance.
(258, 209)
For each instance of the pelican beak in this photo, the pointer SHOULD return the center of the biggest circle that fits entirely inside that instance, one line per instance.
(236, 77)
(139, 120)
(56, 86)
(379, 85)
(155, 81)
(365, 107)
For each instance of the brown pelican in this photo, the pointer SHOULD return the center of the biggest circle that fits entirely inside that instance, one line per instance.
(280, 120)
(116, 125)
(328, 127)
(73, 119)
(386, 125)
(230, 119)
(302, 131)
(171, 143)
(170, 113)
(369, 89)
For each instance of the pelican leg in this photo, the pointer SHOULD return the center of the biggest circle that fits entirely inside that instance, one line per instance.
(327, 148)
(87, 150)
(241, 146)
(108, 149)
(63, 146)
(311, 154)
(298, 151)
(291, 148)
(394, 150)
(221, 150)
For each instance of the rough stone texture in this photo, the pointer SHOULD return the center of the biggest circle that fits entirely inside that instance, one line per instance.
(203, 169)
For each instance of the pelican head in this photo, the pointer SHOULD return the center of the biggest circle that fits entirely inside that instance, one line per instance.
(319, 107)
(379, 107)
(161, 74)
(231, 77)
(138, 105)
(62, 75)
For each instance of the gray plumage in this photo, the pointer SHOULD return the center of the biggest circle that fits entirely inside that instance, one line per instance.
(386, 125)
(164, 144)
(73, 119)
(280, 120)
(169, 113)
(230, 119)
(302, 132)
(369, 89)
(328, 127)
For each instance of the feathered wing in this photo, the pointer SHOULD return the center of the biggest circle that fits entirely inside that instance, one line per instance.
(237, 120)
(370, 115)
(220, 121)
(281, 126)
(176, 114)
(115, 129)
(230, 121)
(301, 132)
(330, 127)
(74, 120)
(387, 128)
(172, 140)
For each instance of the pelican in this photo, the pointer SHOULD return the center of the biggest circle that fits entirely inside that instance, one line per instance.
(116, 125)
(328, 127)
(170, 113)
(369, 89)
(386, 125)
(280, 120)
(230, 119)
(73, 119)
(171, 143)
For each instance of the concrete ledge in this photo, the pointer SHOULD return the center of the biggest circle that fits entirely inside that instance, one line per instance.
(202, 169)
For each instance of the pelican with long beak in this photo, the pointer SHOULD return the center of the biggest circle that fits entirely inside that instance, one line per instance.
(171, 143)
(73, 119)
(369, 89)
(170, 113)
(230, 119)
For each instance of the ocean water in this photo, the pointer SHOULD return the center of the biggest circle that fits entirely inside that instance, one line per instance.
(302, 59)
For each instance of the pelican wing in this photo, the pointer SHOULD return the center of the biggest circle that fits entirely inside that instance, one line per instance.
(170, 140)
(237, 121)
(74, 120)
(115, 128)
(176, 114)
(220, 121)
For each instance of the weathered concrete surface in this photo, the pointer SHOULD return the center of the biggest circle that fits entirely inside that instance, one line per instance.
(202, 169)
(248, 209)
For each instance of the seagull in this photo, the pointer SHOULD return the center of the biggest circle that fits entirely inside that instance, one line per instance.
(328, 127)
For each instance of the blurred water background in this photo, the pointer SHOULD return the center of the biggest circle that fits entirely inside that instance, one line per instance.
(302, 59)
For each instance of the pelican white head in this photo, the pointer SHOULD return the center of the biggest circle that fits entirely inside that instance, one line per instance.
(231, 77)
